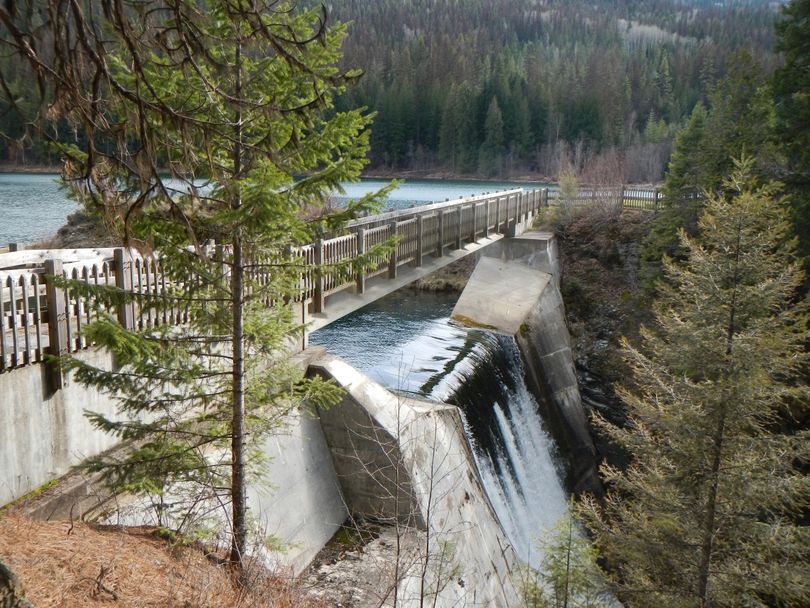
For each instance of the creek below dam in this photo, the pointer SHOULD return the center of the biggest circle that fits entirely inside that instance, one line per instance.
(407, 343)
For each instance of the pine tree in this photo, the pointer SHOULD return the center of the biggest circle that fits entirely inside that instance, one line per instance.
(791, 89)
(229, 98)
(681, 191)
(490, 159)
(705, 515)
(737, 121)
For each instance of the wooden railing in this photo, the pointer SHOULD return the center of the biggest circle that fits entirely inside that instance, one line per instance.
(626, 197)
(38, 318)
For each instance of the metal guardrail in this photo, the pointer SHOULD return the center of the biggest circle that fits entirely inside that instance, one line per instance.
(38, 318)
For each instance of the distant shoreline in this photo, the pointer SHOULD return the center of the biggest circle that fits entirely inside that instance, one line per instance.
(8, 168)
(385, 174)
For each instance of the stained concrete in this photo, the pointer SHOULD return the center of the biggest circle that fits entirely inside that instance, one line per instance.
(298, 502)
(465, 554)
(500, 295)
(516, 292)
(43, 433)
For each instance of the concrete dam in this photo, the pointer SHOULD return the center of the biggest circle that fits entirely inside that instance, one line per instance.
(479, 491)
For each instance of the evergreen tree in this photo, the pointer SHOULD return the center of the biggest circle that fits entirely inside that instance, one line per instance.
(681, 191)
(705, 513)
(791, 88)
(737, 121)
(490, 159)
(227, 97)
(569, 575)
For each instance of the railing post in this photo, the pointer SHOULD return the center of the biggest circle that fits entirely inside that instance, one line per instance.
(460, 214)
(57, 322)
(474, 222)
(498, 215)
(511, 222)
(655, 199)
(486, 219)
(392, 260)
(440, 233)
(361, 250)
(521, 210)
(420, 230)
(544, 197)
(123, 280)
(318, 299)
(524, 206)
(621, 196)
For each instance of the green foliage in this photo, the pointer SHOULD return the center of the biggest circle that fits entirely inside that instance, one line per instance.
(569, 576)
(490, 156)
(656, 131)
(706, 513)
(791, 89)
(567, 71)
(235, 101)
(737, 122)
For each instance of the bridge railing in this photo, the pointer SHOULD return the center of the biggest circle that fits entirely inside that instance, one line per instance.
(627, 197)
(38, 318)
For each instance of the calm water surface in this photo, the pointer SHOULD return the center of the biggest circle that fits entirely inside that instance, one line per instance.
(32, 206)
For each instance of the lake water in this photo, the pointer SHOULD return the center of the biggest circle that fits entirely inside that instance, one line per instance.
(32, 206)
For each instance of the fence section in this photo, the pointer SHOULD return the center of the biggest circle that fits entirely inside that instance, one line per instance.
(626, 197)
(38, 318)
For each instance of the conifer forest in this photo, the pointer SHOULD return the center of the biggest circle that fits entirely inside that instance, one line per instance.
(209, 140)
(504, 88)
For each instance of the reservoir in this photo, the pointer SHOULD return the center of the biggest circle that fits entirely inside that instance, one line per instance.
(33, 207)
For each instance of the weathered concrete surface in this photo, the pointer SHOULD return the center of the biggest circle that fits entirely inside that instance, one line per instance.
(298, 503)
(535, 249)
(367, 456)
(44, 433)
(545, 345)
(508, 293)
(464, 552)
(500, 295)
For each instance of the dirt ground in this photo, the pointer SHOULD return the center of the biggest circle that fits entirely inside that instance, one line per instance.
(76, 565)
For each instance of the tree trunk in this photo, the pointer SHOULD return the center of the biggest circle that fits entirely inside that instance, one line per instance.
(238, 493)
(707, 545)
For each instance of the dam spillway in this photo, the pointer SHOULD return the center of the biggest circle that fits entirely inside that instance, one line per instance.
(407, 343)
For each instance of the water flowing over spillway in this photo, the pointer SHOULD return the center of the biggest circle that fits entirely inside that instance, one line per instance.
(406, 343)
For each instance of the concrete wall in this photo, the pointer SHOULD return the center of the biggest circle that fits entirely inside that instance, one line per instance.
(515, 290)
(368, 459)
(544, 343)
(44, 433)
(298, 503)
(469, 560)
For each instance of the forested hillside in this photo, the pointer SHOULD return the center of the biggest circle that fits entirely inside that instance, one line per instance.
(517, 87)
(500, 87)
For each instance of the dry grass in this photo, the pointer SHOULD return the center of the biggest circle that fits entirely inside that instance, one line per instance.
(78, 565)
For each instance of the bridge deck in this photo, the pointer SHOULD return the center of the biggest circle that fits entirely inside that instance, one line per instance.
(345, 302)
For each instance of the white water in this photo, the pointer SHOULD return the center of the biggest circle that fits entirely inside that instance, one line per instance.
(406, 343)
